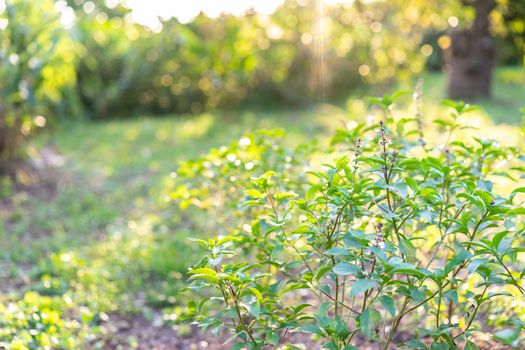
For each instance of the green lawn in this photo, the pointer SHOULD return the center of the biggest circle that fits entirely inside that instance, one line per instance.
(508, 94)
(107, 239)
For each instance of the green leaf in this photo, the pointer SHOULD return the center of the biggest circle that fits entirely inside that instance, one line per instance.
(238, 346)
(272, 338)
(440, 346)
(449, 103)
(329, 346)
(255, 309)
(401, 189)
(516, 191)
(456, 260)
(338, 251)
(411, 270)
(508, 336)
(407, 247)
(284, 195)
(325, 288)
(415, 344)
(345, 269)
(341, 328)
(202, 242)
(418, 294)
(312, 191)
(469, 108)
(256, 292)
(398, 94)
(452, 295)
(361, 286)
(516, 211)
(254, 193)
(474, 200)
(388, 304)
(320, 272)
(310, 328)
(475, 264)
(368, 321)
(204, 273)
(227, 239)
(412, 184)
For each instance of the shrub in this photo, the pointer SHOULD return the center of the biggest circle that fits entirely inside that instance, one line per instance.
(36, 65)
(383, 236)
(35, 322)
(125, 68)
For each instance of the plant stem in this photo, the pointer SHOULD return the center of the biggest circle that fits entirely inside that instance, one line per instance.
(395, 324)
(515, 282)
(339, 302)
(473, 316)
(274, 208)
(439, 307)
(436, 249)
(241, 319)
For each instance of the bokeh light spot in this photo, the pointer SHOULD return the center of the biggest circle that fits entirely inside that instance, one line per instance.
(364, 70)
(444, 42)
(426, 50)
(453, 21)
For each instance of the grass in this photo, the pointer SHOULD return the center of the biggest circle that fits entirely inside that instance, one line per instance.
(508, 94)
(106, 240)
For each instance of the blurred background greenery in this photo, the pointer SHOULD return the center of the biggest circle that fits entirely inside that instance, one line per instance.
(117, 93)
(91, 59)
(84, 59)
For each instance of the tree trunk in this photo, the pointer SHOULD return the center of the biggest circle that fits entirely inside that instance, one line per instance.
(471, 57)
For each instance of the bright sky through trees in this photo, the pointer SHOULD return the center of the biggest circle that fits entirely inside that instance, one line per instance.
(147, 11)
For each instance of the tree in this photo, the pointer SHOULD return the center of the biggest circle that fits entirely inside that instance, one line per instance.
(513, 15)
(472, 55)
(35, 65)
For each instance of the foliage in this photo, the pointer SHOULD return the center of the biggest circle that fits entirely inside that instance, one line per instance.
(303, 52)
(502, 108)
(95, 247)
(104, 65)
(106, 238)
(299, 54)
(114, 65)
(36, 65)
(357, 238)
(512, 14)
(34, 322)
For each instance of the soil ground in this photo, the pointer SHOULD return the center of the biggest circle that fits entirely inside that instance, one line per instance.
(145, 335)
